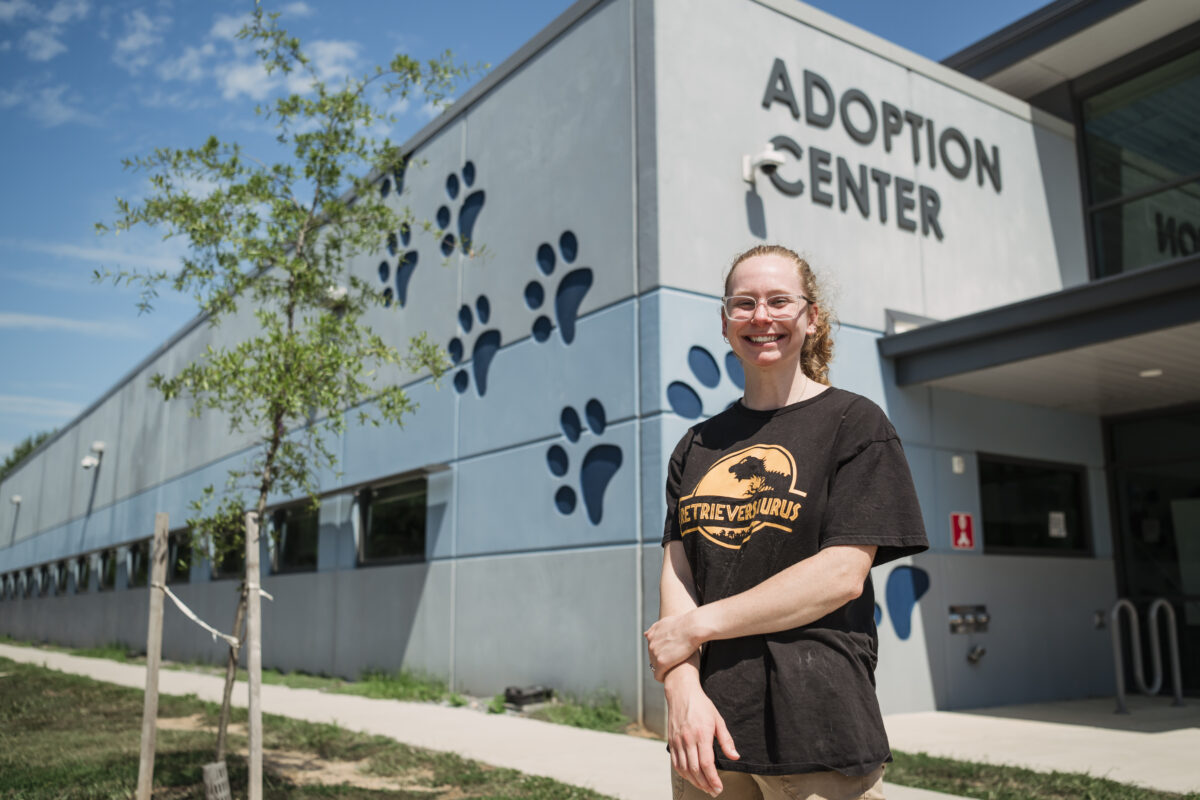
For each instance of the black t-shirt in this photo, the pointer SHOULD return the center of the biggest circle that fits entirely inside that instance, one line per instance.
(751, 493)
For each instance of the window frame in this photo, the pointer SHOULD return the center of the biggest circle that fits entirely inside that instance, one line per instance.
(362, 499)
(1150, 57)
(278, 537)
(83, 570)
(1088, 547)
(108, 563)
(62, 577)
(176, 539)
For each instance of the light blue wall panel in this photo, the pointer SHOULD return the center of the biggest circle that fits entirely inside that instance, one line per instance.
(530, 384)
(921, 463)
(986, 425)
(952, 494)
(1041, 643)
(512, 501)
(858, 367)
(425, 439)
(696, 376)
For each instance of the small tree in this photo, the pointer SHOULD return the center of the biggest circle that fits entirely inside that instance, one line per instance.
(22, 449)
(274, 237)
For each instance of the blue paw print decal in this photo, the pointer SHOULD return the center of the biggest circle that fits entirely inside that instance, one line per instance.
(482, 351)
(600, 462)
(395, 281)
(905, 586)
(685, 400)
(572, 287)
(468, 211)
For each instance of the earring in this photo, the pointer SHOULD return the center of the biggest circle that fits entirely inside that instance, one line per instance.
(726, 338)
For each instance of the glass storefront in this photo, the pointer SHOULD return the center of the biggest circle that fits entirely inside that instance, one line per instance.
(1142, 153)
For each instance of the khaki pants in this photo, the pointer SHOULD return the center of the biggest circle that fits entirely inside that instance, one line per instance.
(805, 786)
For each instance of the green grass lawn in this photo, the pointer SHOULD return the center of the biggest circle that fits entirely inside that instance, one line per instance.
(65, 737)
(967, 779)
(989, 782)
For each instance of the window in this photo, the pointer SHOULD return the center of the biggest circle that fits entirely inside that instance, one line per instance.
(83, 574)
(179, 555)
(108, 570)
(393, 523)
(229, 551)
(139, 563)
(294, 535)
(61, 572)
(1142, 153)
(1033, 507)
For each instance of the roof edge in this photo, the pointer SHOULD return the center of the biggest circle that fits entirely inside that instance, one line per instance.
(1031, 34)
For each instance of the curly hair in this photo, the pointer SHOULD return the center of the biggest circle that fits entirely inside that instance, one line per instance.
(817, 352)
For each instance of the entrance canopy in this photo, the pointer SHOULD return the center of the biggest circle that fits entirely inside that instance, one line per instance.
(1113, 346)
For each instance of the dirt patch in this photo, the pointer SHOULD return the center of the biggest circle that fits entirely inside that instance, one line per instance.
(309, 769)
(633, 729)
(196, 722)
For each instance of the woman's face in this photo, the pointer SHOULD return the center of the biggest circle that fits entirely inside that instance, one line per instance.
(762, 342)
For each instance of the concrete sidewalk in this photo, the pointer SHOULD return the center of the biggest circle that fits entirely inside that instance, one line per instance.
(1156, 746)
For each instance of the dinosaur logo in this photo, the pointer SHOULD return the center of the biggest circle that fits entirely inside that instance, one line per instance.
(745, 492)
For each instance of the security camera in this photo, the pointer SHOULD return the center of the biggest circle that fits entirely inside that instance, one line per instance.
(768, 161)
(97, 447)
(89, 461)
(16, 499)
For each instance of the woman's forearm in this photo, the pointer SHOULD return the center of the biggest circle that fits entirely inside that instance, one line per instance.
(796, 596)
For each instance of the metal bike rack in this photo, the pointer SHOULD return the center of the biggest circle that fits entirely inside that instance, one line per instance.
(1135, 644)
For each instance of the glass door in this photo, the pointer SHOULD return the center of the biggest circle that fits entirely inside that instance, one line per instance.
(1156, 477)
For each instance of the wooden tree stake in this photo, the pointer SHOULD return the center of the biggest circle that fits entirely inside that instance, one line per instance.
(254, 640)
(158, 578)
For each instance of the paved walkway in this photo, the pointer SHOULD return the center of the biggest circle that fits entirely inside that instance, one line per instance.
(1155, 746)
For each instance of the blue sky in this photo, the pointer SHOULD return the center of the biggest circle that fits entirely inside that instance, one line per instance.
(84, 84)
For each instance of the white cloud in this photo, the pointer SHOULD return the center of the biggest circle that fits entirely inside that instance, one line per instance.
(116, 329)
(65, 11)
(331, 59)
(249, 79)
(428, 110)
(226, 26)
(42, 44)
(297, 10)
(12, 9)
(38, 407)
(190, 64)
(142, 34)
(95, 254)
(49, 107)
(399, 105)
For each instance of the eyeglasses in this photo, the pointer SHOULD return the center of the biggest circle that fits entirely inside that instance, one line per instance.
(740, 308)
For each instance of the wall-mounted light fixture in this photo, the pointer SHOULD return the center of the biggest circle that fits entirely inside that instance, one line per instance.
(768, 161)
(93, 459)
(15, 499)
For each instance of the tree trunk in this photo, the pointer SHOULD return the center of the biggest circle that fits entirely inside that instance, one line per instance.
(239, 619)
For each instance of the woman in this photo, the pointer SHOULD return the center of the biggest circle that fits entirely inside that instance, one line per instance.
(777, 508)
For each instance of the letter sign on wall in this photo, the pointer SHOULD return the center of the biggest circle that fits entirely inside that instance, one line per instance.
(962, 531)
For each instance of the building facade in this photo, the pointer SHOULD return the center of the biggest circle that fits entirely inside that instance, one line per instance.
(1010, 240)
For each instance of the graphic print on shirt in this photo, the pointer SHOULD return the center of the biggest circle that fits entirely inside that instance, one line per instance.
(748, 491)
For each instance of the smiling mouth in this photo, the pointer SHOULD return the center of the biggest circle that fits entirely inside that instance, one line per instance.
(767, 339)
